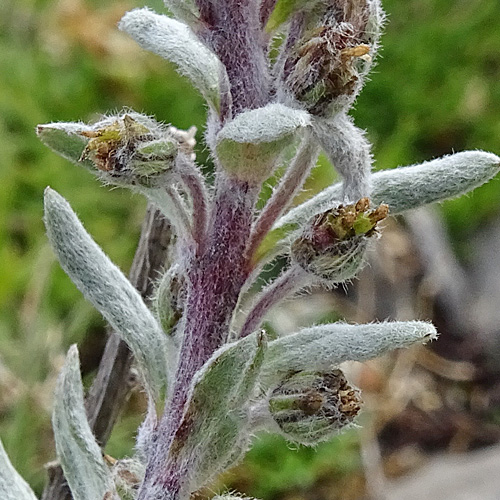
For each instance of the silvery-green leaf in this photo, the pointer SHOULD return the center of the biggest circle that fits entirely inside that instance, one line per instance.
(321, 347)
(347, 148)
(77, 450)
(12, 485)
(264, 125)
(175, 42)
(405, 188)
(66, 140)
(216, 415)
(105, 286)
(435, 180)
(249, 145)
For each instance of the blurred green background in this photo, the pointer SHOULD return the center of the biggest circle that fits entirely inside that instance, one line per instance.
(435, 90)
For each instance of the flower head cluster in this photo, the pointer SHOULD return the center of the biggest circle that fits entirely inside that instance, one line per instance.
(332, 246)
(332, 49)
(201, 352)
(310, 407)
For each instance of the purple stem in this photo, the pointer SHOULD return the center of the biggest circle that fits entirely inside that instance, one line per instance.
(226, 99)
(290, 281)
(216, 276)
(283, 195)
(215, 281)
(236, 37)
(194, 182)
(207, 12)
(284, 64)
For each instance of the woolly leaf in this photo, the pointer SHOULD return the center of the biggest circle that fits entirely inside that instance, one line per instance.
(403, 188)
(348, 150)
(79, 454)
(249, 146)
(175, 42)
(214, 423)
(66, 140)
(169, 297)
(12, 485)
(436, 180)
(321, 347)
(105, 286)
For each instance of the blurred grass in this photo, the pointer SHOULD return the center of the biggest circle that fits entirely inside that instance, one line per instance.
(434, 91)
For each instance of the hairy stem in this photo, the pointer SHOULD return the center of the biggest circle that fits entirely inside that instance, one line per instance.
(290, 281)
(214, 280)
(347, 148)
(282, 197)
(237, 39)
(283, 65)
(195, 183)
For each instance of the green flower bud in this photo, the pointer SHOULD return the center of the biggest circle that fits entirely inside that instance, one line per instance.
(130, 152)
(311, 407)
(324, 70)
(324, 67)
(332, 246)
(126, 150)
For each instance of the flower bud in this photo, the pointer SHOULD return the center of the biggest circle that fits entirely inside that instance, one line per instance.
(333, 245)
(324, 67)
(130, 151)
(311, 407)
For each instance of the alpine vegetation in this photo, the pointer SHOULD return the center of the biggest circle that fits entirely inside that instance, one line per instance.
(279, 78)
